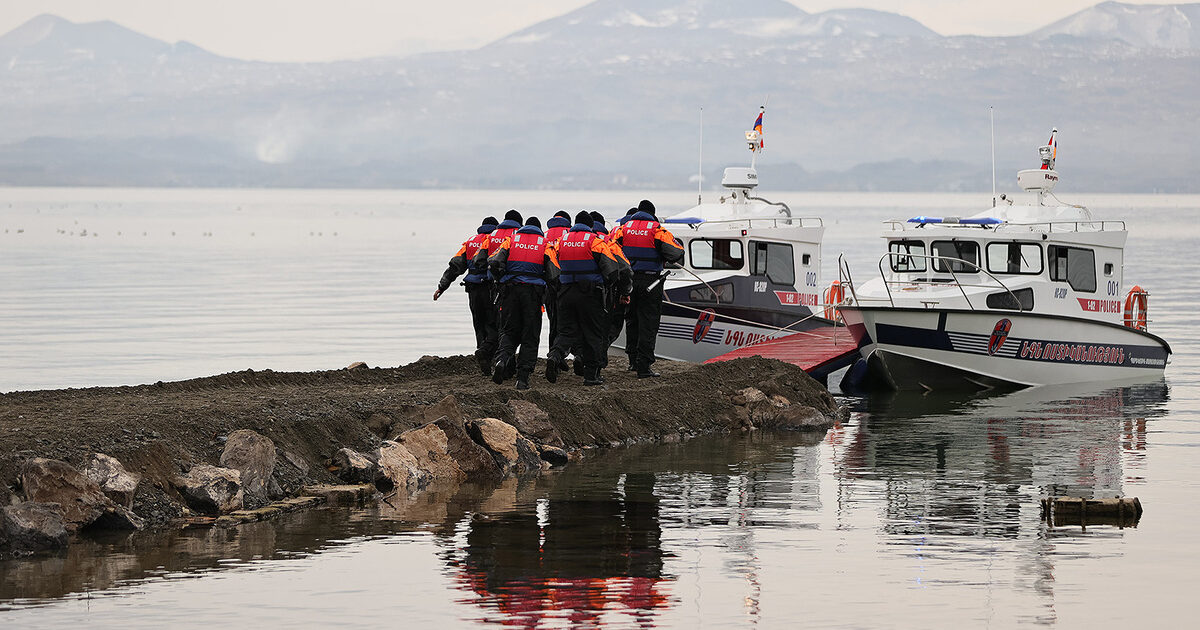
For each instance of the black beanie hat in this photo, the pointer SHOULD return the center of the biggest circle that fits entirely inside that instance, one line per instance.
(584, 218)
(597, 217)
(645, 206)
(513, 215)
(490, 221)
(631, 212)
(564, 214)
(534, 221)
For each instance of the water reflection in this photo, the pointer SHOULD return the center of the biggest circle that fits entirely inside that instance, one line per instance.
(947, 486)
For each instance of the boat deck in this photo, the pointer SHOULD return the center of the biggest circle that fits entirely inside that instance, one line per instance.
(819, 351)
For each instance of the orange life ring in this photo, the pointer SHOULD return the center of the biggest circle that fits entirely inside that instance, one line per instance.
(1136, 303)
(834, 295)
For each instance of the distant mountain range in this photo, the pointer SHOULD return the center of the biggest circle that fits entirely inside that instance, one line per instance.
(609, 96)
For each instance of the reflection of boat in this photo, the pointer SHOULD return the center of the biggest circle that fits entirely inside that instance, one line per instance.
(751, 271)
(1019, 295)
(982, 465)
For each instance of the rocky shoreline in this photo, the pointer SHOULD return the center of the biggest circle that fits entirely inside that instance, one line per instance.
(249, 443)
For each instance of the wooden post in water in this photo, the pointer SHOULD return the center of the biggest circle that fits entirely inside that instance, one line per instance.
(1121, 512)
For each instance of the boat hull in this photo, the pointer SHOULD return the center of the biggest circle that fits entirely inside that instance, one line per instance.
(915, 348)
(688, 333)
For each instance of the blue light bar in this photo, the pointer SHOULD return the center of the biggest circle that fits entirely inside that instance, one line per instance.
(933, 220)
(684, 220)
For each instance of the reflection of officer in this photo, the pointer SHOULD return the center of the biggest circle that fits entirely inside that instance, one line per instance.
(479, 293)
(555, 228)
(584, 262)
(521, 263)
(647, 246)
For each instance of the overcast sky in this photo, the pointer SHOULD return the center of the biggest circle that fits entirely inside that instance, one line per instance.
(323, 30)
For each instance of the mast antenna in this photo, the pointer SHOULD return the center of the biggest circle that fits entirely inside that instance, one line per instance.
(992, 115)
(700, 174)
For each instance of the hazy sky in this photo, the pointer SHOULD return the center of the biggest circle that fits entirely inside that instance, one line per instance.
(321, 30)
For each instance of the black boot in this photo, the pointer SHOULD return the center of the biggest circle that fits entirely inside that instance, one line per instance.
(592, 377)
(522, 381)
(498, 370)
(579, 369)
(644, 371)
(552, 367)
(485, 365)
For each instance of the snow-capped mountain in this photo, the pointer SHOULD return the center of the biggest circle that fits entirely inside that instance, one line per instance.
(1175, 26)
(608, 95)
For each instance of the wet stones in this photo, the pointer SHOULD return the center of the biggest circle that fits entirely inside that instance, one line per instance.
(512, 452)
(32, 526)
(397, 469)
(530, 420)
(54, 481)
(553, 455)
(117, 483)
(445, 450)
(353, 467)
(252, 455)
(211, 490)
(756, 410)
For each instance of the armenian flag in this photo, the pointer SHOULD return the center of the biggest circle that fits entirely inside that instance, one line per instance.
(758, 128)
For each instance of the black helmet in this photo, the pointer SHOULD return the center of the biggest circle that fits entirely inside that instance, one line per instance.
(490, 221)
(564, 214)
(513, 215)
(645, 206)
(534, 221)
(584, 218)
(631, 212)
(597, 217)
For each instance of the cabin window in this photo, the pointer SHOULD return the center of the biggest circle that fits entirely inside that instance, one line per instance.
(716, 253)
(1074, 265)
(773, 260)
(1015, 257)
(1004, 300)
(718, 293)
(963, 250)
(907, 256)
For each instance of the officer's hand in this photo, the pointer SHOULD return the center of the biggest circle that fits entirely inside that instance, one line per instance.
(437, 294)
(624, 299)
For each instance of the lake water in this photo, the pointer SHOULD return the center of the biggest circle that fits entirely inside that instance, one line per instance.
(918, 510)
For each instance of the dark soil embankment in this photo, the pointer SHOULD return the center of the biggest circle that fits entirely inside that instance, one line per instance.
(163, 429)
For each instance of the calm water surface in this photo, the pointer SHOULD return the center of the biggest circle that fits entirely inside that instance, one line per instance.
(916, 511)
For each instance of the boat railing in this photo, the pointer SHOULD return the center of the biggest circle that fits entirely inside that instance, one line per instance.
(752, 222)
(962, 287)
(1068, 226)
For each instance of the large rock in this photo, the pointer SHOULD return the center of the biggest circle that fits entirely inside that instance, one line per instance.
(445, 451)
(210, 489)
(54, 481)
(531, 421)
(32, 526)
(252, 455)
(353, 467)
(398, 469)
(513, 452)
(792, 418)
(118, 484)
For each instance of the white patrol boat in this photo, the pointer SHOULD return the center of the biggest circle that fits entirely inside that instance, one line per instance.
(1020, 295)
(751, 271)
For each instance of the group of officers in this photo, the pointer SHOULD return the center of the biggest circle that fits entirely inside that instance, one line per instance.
(590, 281)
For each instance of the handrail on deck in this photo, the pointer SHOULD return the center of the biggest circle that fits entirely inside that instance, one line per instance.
(775, 221)
(887, 283)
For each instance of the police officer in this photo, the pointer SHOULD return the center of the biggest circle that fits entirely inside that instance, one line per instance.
(479, 292)
(647, 245)
(506, 228)
(523, 268)
(556, 227)
(584, 263)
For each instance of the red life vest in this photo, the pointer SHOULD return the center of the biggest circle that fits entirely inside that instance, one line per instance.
(575, 258)
(498, 238)
(475, 274)
(639, 244)
(526, 258)
(555, 233)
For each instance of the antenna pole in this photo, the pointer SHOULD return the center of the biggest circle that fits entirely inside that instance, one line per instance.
(992, 115)
(700, 175)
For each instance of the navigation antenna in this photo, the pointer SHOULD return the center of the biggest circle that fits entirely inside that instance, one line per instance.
(700, 173)
(992, 115)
